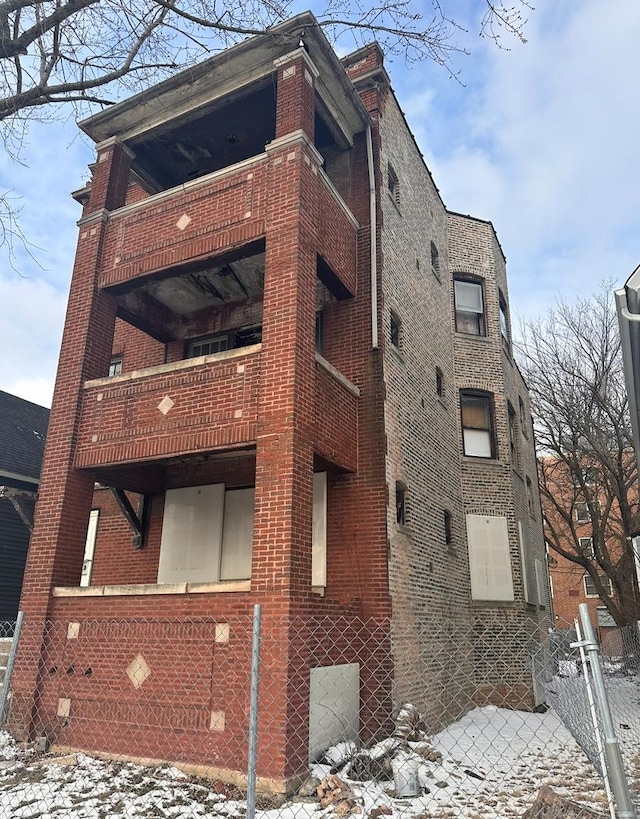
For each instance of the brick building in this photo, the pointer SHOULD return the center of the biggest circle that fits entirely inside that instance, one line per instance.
(286, 377)
(23, 428)
(583, 520)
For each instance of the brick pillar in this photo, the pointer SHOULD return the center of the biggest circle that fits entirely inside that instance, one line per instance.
(281, 570)
(295, 104)
(65, 493)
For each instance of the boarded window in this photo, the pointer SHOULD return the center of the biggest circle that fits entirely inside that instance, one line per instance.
(191, 542)
(319, 524)
(237, 534)
(529, 587)
(489, 558)
(89, 547)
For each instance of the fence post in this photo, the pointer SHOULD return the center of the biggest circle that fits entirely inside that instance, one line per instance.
(594, 717)
(613, 757)
(253, 713)
(4, 695)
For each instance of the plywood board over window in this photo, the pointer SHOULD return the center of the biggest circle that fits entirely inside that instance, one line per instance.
(207, 534)
(237, 534)
(191, 542)
(489, 558)
(319, 525)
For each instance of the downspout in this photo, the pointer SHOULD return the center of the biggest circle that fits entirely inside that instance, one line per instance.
(374, 242)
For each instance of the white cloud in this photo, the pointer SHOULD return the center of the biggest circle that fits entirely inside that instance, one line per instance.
(31, 323)
(543, 141)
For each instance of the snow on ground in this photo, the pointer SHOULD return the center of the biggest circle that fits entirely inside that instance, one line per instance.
(492, 765)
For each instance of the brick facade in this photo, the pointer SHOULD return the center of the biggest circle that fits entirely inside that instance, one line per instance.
(346, 373)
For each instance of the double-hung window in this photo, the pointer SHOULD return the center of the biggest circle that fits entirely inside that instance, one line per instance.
(469, 306)
(476, 410)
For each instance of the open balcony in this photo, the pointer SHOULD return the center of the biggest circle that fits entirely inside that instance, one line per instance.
(197, 405)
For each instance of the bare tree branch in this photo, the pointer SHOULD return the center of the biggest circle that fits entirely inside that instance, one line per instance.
(572, 364)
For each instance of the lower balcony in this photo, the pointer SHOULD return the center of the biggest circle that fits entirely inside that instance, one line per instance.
(197, 405)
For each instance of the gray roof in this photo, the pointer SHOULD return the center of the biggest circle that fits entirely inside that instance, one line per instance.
(23, 428)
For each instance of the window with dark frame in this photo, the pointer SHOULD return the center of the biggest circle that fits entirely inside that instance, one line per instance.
(582, 512)
(401, 505)
(530, 501)
(469, 306)
(208, 345)
(513, 439)
(319, 332)
(439, 382)
(523, 417)
(590, 586)
(396, 335)
(504, 323)
(448, 530)
(435, 260)
(476, 409)
(393, 184)
(115, 366)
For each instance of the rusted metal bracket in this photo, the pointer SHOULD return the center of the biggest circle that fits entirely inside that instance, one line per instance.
(15, 496)
(138, 521)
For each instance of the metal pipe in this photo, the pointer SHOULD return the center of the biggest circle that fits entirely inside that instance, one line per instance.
(4, 694)
(613, 757)
(253, 713)
(594, 719)
(373, 228)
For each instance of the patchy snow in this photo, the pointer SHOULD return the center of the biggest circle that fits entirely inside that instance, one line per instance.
(492, 764)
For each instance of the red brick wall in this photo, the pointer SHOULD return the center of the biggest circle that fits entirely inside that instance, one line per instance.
(214, 406)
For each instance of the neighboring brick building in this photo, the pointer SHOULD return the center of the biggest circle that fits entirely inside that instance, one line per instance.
(583, 519)
(23, 428)
(233, 346)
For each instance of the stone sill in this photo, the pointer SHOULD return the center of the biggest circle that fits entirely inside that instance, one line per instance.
(339, 377)
(144, 589)
(174, 366)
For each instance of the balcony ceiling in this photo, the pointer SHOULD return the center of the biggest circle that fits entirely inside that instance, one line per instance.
(159, 305)
(209, 287)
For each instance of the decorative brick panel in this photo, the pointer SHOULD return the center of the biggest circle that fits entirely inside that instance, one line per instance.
(196, 409)
(223, 212)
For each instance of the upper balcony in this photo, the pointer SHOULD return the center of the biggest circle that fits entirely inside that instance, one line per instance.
(179, 230)
(197, 405)
(201, 405)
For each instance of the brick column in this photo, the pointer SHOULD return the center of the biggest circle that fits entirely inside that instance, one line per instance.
(64, 499)
(281, 571)
(295, 104)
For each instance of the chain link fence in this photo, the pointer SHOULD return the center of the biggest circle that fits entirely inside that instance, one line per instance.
(145, 717)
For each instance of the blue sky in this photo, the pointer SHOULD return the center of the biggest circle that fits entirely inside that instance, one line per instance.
(542, 139)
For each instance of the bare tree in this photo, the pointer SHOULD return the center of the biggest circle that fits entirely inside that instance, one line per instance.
(56, 52)
(64, 57)
(572, 363)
